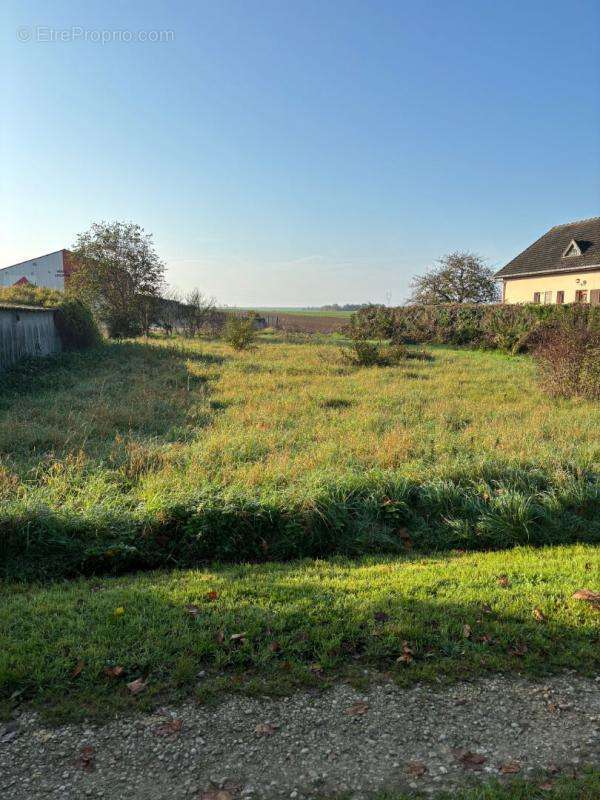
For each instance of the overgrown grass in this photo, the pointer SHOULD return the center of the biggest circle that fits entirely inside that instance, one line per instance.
(276, 626)
(584, 787)
(172, 452)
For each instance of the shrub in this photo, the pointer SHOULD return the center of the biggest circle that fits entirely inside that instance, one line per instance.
(361, 353)
(240, 332)
(568, 355)
(76, 325)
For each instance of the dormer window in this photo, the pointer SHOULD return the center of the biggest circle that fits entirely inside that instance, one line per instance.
(573, 249)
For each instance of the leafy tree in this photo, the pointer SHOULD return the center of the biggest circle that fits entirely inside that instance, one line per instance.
(119, 275)
(458, 278)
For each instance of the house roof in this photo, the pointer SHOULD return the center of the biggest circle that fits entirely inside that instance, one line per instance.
(550, 252)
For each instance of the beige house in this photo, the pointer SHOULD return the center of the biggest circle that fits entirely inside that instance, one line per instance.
(563, 266)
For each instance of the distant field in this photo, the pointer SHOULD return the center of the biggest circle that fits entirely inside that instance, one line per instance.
(305, 321)
(302, 312)
(174, 451)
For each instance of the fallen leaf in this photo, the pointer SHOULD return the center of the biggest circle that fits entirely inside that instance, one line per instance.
(192, 610)
(212, 596)
(85, 759)
(265, 729)
(113, 672)
(215, 794)
(467, 631)
(503, 580)
(275, 647)
(487, 609)
(119, 611)
(539, 615)
(547, 786)
(137, 686)
(588, 596)
(470, 760)
(416, 768)
(510, 768)
(316, 668)
(407, 654)
(357, 710)
(381, 616)
(168, 728)
(552, 769)
(238, 637)
(220, 637)
(77, 669)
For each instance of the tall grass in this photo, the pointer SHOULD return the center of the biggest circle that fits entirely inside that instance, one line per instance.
(170, 452)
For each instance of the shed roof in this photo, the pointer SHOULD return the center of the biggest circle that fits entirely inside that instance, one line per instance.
(16, 307)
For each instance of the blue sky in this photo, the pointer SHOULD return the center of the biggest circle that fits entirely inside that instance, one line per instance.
(291, 152)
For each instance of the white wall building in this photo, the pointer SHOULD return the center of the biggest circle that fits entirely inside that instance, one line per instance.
(49, 271)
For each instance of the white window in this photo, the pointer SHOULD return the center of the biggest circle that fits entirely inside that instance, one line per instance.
(547, 297)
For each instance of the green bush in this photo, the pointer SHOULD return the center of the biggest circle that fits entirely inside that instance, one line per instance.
(511, 328)
(240, 332)
(362, 353)
(76, 325)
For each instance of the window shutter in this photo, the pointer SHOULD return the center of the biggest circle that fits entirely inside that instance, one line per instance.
(560, 298)
(536, 297)
(595, 297)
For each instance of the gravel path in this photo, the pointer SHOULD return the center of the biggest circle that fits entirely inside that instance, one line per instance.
(312, 744)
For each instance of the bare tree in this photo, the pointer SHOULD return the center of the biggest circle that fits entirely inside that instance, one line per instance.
(197, 310)
(460, 277)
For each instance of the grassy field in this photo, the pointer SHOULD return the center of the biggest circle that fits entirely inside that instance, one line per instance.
(274, 626)
(171, 451)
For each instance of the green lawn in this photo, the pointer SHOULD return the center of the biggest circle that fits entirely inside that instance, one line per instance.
(274, 626)
(171, 452)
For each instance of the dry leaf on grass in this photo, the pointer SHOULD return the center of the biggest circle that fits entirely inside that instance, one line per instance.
(169, 728)
(407, 654)
(265, 729)
(240, 638)
(77, 669)
(137, 686)
(547, 786)
(503, 581)
(212, 596)
(113, 672)
(357, 710)
(467, 631)
(220, 637)
(275, 647)
(192, 610)
(510, 768)
(416, 768)
(588, 596)
(539, 615)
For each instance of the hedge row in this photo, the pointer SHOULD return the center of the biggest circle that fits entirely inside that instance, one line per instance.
(511, 328)
(363, 514)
